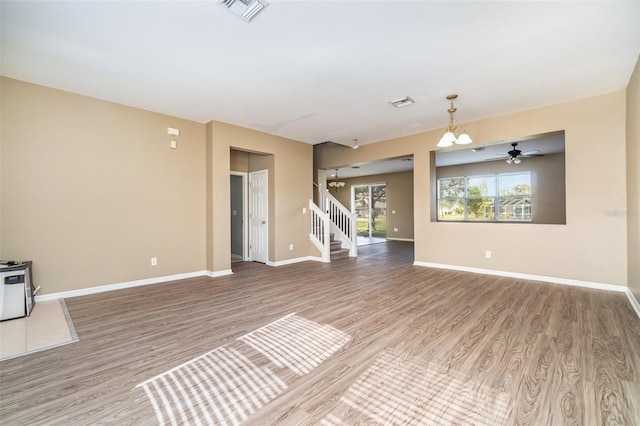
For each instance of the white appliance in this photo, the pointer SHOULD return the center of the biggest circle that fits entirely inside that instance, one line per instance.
(16, 289)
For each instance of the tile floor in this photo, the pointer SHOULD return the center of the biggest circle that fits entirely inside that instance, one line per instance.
(49, 325)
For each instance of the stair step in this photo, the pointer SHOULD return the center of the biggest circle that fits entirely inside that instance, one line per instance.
(335, 245)
(332, 236)
(339, 254)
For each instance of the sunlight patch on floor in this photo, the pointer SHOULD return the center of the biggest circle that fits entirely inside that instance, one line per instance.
(220, 387)
(399, 392)
(296, 343)
(224, 387)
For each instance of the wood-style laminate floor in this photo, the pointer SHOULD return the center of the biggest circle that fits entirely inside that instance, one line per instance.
(372, 340)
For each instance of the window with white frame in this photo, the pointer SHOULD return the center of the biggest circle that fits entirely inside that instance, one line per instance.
(495, 197)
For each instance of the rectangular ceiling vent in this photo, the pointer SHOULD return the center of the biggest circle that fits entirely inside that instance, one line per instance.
(402, 102)
(246, 9)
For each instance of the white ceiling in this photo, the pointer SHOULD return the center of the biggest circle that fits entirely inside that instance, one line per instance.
(389, 165)
(318, 71)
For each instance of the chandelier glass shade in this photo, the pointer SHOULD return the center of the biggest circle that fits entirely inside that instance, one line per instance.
(335, 183)
(449, 138)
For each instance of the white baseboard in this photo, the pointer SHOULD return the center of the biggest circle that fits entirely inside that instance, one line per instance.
(215, 274)
(294, 260)
(401, 239)
(554, 280)
(634, 302)
(117, 286)
(128, 284)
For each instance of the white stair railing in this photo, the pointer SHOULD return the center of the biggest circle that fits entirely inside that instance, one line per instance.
(343, 222)
(320, 231)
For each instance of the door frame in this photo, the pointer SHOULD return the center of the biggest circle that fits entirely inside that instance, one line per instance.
(266, 188)
(245, 213)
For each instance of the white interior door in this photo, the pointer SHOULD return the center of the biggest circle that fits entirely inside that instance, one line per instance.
(259, 216)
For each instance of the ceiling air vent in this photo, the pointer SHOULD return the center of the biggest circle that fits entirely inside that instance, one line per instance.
(402, 102)
(246, 9)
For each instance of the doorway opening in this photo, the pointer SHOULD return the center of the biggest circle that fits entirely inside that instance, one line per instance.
(249, 206)
(239, 222)
(369, 203)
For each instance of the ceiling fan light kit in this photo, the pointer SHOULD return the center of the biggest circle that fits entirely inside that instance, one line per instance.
(514, 154)
(449, 138)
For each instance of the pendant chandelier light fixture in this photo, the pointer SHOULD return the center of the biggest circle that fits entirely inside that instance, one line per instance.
(336, 184)
(449, 138)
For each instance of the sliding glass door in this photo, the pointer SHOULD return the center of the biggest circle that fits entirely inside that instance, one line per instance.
(369, 203)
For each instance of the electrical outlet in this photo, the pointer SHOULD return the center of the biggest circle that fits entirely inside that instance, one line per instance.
(395, 229)
(487, 254)
(290, 246)
(154, 261)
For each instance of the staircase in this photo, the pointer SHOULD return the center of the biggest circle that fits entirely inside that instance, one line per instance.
(333, 228)
(335, 248)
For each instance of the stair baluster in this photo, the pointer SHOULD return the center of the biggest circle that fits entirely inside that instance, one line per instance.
(330, 220)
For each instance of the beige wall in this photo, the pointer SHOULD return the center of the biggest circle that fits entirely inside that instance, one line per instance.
(239, 161)
(547, 183)
(290, 188)
(91, 190)
(592, 246)
(633, 181)
(399, 199)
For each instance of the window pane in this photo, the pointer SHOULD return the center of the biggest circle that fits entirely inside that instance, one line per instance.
(481, 208)
(502, 197)
(515, 184)
(451, 209)
(481, 186)
(451, 187)
(379, 222)
(515, 207)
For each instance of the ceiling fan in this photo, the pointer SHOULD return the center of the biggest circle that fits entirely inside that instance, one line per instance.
(515, 155)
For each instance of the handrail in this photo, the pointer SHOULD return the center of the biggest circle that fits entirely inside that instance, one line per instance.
(320, 231)
(343, 221)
